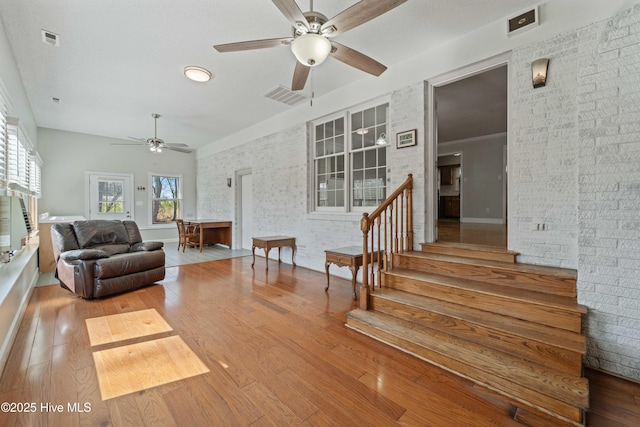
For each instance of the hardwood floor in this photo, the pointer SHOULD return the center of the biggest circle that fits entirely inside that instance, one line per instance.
(450, 230)
(277, 351)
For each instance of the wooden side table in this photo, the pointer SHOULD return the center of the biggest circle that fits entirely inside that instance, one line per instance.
(349, 256)
(269, 242)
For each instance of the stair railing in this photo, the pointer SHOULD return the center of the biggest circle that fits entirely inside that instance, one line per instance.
(385, 231)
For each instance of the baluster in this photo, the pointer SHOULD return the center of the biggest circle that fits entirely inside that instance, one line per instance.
(379, 222)
(402, 230)
(364, 289)
(373, 281)
(385, 261)
(396, 247)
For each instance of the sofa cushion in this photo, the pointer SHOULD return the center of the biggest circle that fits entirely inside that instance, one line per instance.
(146, 246)
(83, 254)
(133, 231)
(99, 232)
(126, 264)
(63, 237)
(113, 249)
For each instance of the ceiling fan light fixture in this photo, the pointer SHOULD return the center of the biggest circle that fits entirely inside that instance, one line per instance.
(311, 49)
(197, 74)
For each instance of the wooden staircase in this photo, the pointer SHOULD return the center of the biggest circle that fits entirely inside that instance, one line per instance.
(513, 328)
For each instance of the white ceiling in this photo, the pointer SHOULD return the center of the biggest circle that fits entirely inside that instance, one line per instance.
(121, 60)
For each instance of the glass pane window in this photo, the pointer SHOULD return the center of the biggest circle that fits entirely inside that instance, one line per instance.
(329, 164)
(368, 159)
(110, 195)
(166, 198)
(349, 164)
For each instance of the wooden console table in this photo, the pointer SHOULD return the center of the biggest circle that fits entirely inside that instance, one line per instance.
(350, 256)
(269, 242)
(213, 231)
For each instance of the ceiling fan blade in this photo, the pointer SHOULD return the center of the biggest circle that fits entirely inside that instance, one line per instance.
(291, 11)
(138, 139)
(179, 149)
(300, 75)
(358, 14)
(129, 143)
(356, 59)
(252, 44)
(175, 144)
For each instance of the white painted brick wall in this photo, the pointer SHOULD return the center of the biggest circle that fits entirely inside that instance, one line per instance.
(281, 174)
(609, 194)
(575, 164)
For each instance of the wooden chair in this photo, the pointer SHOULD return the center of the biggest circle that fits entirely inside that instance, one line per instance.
(188, 235)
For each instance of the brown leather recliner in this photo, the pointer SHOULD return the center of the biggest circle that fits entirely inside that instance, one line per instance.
(96, 258)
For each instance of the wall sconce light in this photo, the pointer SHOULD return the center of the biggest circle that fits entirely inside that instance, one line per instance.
(539, 69)
(229, 182)
(141, 188)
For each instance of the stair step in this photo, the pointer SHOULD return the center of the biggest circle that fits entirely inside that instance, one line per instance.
(551, 310)
(469, 250)
(527, 382)
(557, 348)
(552, 280)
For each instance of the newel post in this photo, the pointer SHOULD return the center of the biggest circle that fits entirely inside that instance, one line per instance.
(364, 289)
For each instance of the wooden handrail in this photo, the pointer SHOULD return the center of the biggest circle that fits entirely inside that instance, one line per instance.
(395, 217)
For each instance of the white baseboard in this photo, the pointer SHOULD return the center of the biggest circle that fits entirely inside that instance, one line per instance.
(498, 221)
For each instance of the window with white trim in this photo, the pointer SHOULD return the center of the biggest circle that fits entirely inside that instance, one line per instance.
(3, 142)
(166, 198)
(350, 160)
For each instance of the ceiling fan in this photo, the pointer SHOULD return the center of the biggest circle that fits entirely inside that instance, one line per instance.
(155, 144)
(311, 33)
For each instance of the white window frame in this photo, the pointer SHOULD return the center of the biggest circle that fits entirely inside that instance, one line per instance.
(348, 152)
(179, 199)
(5, 107)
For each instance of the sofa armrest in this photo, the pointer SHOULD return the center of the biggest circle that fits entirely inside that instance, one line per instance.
(146, 246)
(82, 255)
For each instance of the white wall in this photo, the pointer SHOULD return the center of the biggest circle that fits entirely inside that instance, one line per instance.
(575, 165)
(482, 185)
(573, 159)
(67, 155)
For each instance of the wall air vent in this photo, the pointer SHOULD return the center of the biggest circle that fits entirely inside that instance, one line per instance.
(286, 96)
(522, 22)
(50, 38)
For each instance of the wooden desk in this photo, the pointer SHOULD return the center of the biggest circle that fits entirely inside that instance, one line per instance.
(349, 256)
(269, 242)
(213, 231)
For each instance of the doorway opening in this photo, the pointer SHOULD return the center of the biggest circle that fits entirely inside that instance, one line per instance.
(244, 208)
(470, 142)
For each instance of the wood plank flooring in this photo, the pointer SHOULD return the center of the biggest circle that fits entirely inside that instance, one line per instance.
(472, 233)
(278, 354)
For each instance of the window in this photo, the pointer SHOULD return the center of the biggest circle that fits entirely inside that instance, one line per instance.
(110, 196)
(330, 163)
(166, 198)
(3, 141)
(349, 164)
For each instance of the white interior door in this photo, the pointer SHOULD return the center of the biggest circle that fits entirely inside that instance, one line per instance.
(108, 196)
(246, 209)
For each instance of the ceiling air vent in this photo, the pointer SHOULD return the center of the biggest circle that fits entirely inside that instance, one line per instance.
(522, 22)
(50, 38)
(284, 95)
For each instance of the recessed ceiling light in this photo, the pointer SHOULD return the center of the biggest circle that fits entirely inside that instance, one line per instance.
(197, 74)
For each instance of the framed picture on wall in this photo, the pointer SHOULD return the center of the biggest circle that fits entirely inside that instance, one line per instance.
(406, 138)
